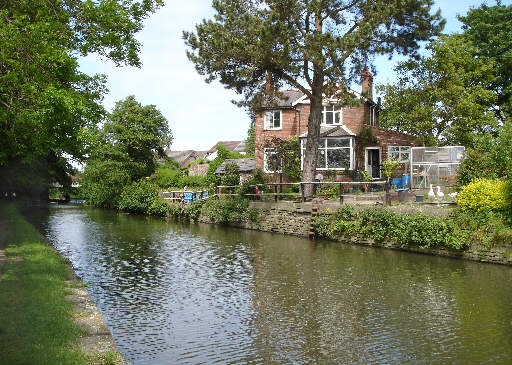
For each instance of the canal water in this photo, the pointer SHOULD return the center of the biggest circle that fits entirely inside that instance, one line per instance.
(198, 294)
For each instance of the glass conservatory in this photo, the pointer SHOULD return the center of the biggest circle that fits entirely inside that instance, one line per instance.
(435, 165)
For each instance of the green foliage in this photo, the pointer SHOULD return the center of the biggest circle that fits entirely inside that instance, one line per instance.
(388, 167)
(250, 142)
(485, 194)
(138, 131)
(47, 104)
(138, 197)
(231, 175)
(489, 28)
(103, 181)
(381, 224)
(258, 178)
(442, 98)
(288, 153)
(331, 191)
(229, 210)
(490, 157)
(158, 207)
(168, 177)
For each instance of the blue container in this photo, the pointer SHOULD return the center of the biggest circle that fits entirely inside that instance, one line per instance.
(397, 181)
(188, 197)
(406, 181)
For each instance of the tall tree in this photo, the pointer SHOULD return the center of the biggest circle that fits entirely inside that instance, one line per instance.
(139, 131)
(45, 101)
(442, 98)
(318, 46)
(489, 29)
(124, 150)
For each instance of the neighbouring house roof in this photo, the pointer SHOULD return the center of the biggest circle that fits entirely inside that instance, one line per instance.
(184, 157)
(230, 145)
(329, 131)
(244, 165)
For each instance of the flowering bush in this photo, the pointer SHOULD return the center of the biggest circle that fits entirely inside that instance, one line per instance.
(485, 194)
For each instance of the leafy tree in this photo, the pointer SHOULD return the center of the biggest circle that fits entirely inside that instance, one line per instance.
(441, 98)
(124, 151)
(222, 154)
(489, 158)
(45, 101)
(318, 47)
(489, 29)
(139, 131)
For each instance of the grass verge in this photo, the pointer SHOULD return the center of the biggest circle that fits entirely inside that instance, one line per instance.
(36, 325)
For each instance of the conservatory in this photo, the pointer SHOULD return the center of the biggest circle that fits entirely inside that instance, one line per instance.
(435, 165)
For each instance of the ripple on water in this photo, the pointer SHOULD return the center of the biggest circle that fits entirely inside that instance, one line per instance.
(189, 295)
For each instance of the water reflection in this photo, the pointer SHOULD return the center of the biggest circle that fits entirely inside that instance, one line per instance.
(203, 294)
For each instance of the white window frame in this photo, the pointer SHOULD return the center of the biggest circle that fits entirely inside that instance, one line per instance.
(401, 150)
(334, 112)
(325, 148)
(269, 123)
(267, 151)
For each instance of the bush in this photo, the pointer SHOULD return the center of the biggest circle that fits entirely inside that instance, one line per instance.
(139, 197)
(159, 207)
(485, 194)
(103, 182)
(229, 210)
(167, 177)
(231, 175)
(192, 181)
(380, 224)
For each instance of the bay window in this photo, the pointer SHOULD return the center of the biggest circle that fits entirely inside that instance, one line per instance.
(334, 153)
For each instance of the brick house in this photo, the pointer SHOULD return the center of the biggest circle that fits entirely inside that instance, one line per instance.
(350, 137)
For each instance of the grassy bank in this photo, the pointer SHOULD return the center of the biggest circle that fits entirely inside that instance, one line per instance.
(36, 325)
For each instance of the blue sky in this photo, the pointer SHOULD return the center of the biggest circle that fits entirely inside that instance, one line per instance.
(201, 114)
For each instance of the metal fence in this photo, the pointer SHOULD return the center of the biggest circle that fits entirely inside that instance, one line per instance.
(276, 189)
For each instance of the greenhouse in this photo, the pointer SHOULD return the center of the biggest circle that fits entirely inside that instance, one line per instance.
(435, 165)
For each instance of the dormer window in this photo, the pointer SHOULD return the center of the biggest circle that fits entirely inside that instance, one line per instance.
(273, 120)
(332, 115)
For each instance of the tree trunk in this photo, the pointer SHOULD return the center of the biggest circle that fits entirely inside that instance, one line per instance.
(311, 152)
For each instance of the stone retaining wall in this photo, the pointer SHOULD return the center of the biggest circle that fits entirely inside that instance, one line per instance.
(295, 219)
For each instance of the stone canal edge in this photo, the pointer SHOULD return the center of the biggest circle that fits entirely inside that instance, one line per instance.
(98, 344)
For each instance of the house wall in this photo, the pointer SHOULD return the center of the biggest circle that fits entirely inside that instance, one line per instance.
(295, 122)
(198, 169)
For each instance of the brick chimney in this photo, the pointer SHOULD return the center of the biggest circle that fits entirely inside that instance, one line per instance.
(367, 83)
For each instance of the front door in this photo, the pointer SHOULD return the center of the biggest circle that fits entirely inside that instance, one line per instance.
(373, 162)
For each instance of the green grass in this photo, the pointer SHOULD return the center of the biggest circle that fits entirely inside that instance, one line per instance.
(35, 318)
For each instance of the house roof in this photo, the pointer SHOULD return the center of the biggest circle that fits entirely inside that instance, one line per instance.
(286, 99)
(230, 145)
(244, 165)
(290, 98)
(329, 131)
(182, 157)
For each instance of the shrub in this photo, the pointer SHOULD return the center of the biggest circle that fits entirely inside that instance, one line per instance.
(159, 207)
(192, 181)
(231, 175)
(485, 194)
(380, 224)
(167, 177)
(138, 197)
(228, 210)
